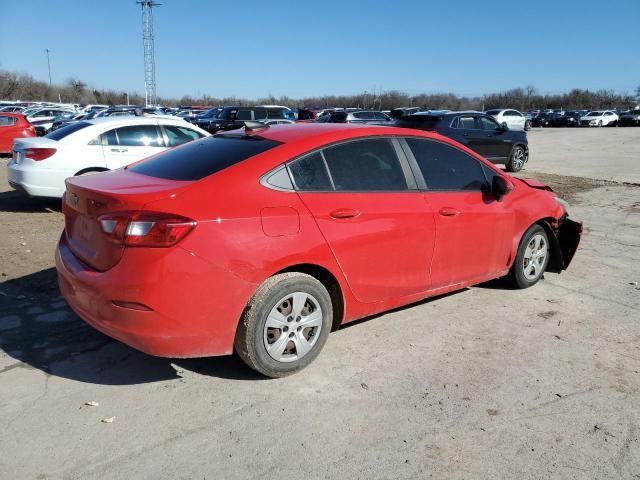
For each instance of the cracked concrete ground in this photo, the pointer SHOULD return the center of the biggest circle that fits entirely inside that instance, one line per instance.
(485, 383)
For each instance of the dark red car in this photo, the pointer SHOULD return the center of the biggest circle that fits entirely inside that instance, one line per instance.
(12, 126)
(265, 239)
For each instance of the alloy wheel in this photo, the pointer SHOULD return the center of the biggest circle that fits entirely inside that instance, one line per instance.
(535, 256)
(293, 327)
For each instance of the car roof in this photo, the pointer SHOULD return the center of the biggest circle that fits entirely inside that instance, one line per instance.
(142, 119)
(322, 133)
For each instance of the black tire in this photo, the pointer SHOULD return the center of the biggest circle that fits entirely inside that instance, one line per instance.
(251, 337)
(517, 277)
(599, 123)
(517, 159)
(527, 125)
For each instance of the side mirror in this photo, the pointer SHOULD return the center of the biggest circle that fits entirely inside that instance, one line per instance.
(504, 127)
(500, 187)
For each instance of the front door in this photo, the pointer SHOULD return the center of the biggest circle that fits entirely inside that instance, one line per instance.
(497, 140)
(473, 230)
(374, 219)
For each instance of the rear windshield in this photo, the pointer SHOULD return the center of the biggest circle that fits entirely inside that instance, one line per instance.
(201, 158)
(60, 133)
(421, 122)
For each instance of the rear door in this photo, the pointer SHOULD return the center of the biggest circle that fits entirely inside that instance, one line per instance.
(375, 220)
(467, 130)
(474, 231)
(124, 145)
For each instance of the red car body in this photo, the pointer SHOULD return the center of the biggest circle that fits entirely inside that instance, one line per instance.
(374, 250)
(12, 126)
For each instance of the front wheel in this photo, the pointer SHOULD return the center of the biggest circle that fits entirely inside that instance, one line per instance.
(599, 123)
(285, 324)
(517, 159)
(532, 258)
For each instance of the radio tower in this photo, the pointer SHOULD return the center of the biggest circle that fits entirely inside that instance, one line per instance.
(148, 44)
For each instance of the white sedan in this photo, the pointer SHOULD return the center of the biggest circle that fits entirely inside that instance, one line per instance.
(39, 165)
(512, 118)
(599, 118)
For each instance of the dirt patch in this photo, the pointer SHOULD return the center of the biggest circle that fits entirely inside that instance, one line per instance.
(569, 187)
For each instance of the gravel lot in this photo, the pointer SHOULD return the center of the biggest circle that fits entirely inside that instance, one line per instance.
(484, 383)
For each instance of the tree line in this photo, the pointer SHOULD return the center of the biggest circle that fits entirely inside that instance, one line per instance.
(20, 86)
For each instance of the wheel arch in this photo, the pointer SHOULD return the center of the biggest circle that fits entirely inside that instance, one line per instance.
(329, 281)
(556, 262)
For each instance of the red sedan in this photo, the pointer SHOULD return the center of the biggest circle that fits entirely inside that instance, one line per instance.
(264, 239)
(12, 126)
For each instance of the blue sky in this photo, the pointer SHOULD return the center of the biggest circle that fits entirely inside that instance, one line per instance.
(300, 48)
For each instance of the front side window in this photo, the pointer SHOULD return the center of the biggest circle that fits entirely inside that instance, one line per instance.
(487, 123)
(135, 136)
(365, 165)
(446, 168)
(179, 135)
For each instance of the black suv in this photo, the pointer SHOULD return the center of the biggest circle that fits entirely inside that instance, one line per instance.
(477, 131)
(230, 118)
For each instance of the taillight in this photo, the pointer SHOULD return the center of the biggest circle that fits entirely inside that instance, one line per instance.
(38, 154)
(145, 229)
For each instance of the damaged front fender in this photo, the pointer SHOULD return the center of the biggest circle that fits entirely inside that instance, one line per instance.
(563, 243)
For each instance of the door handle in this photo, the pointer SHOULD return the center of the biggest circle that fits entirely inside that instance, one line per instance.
(449, 212)
(465, 134)
(118, 149)
(341, 213)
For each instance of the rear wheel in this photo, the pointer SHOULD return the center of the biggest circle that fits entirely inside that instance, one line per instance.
(285, 324)
(516, 159)
(532, 258)
(527, 126)
(599, 123)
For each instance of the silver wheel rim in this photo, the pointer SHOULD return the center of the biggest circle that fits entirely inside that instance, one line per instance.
(535, 256)
(293, 327)
(518, 158)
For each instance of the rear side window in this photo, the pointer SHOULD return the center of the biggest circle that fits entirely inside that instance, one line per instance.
(60, 133)
(468, 123)
(244, 115)
(196, 160)
(446, 168)
(365, 165)
(7, 121)
(310, 173)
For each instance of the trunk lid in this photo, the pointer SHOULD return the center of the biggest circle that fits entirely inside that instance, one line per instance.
(89, 197)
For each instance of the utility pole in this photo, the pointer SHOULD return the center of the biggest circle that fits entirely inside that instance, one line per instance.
(48, 65)
(148, 46)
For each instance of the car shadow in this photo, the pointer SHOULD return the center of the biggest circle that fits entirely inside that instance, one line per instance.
(40, 331)
(18, 202)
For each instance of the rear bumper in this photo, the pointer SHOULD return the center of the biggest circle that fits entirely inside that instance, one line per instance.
(194, 307)
(37, 182)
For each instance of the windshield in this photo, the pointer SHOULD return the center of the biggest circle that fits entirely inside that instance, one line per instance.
(199, 159)
(213, 113)
(67, 130)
